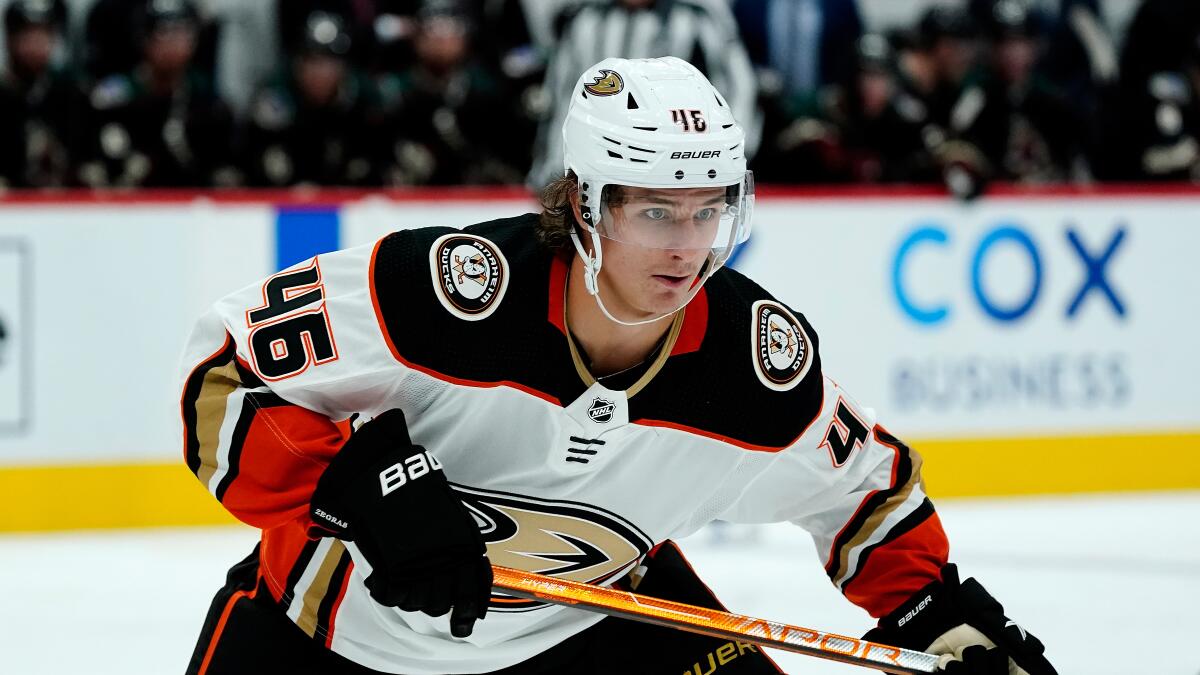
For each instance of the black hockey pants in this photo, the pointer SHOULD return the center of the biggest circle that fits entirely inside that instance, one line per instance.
(247, 632)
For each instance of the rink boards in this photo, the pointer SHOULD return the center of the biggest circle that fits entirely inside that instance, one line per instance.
(1027, 344)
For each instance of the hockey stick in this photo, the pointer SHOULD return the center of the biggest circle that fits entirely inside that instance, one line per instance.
(712, 622)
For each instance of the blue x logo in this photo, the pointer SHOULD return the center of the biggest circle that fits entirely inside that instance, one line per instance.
(1095, 267)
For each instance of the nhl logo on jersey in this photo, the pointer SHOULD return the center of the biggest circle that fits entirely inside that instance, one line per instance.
(470, 275)
(782, 351)
(601, 410)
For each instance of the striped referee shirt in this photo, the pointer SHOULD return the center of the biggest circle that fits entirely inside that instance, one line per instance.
(702, 32)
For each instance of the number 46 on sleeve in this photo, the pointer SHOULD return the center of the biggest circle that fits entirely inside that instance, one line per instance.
(287, 333)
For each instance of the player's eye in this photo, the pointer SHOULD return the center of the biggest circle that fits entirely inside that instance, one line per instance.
(706, 214)
(655, 213)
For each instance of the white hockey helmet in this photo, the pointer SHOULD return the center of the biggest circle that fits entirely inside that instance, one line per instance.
(654, 123)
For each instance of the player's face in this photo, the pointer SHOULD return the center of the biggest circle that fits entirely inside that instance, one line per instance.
(658, 243)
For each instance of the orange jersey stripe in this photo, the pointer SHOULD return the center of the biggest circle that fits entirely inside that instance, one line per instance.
(281, 548)
(284, 453)
(216, 636)
(899, 568)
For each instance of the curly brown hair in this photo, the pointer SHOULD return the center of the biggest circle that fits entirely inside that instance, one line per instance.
(558, 216)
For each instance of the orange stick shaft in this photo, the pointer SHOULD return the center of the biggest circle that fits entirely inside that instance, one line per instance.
(711, 622)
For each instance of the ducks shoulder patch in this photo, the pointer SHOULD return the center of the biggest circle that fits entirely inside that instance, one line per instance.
(470, 275)
(782, 350)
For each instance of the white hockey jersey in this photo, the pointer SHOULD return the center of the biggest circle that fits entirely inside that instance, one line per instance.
(464, 331)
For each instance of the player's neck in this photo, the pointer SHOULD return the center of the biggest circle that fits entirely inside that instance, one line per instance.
(611, 346)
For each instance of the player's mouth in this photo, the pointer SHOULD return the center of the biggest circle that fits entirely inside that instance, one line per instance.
(671, 281)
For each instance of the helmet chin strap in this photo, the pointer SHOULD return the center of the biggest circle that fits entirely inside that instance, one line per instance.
(591, 278)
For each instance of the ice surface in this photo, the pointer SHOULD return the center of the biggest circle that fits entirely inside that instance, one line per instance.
(1111, 584)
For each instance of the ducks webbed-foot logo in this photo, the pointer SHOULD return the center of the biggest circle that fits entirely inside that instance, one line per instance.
(569, 540)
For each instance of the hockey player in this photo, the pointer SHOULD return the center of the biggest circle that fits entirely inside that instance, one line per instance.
(564, 393)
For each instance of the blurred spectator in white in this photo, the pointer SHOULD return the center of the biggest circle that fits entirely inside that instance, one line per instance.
(452, 122)
(247, 51)
(161, 124)
(318, 122)
(40, 99)
(703, 32)
(799, 46)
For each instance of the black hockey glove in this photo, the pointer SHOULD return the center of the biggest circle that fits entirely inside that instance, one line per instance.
(967, 625)
(392, 500)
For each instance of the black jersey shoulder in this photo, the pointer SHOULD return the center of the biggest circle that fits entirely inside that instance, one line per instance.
(723, 389)
(511, 342)
(716, 390)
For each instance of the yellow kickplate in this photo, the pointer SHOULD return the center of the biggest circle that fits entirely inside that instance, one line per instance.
(1072, 464)
(105, 496)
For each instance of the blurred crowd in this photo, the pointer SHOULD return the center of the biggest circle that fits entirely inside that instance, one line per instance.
(273, 93)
